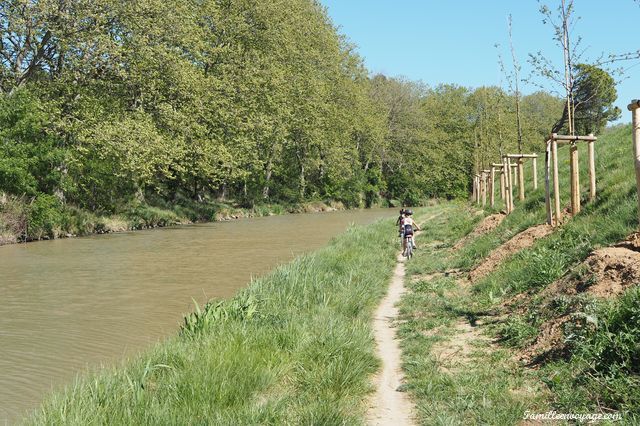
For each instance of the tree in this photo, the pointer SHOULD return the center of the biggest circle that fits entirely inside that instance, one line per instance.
(562, 22)
(594, 93)
(513, 79)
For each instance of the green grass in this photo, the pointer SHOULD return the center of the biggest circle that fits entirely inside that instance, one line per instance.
(490, 388)
(295, 347)
(599, 372)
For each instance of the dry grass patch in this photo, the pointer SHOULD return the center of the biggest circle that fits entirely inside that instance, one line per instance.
(455, 353)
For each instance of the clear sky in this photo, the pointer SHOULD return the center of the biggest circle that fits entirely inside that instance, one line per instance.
(446, 41)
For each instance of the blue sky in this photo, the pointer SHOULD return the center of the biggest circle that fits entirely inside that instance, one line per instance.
(453, 41)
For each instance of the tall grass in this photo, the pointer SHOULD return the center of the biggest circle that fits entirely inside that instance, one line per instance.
(487, 388)
(599, 371)
(295, 347)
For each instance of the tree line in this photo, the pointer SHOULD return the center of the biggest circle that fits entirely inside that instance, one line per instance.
(104, 103)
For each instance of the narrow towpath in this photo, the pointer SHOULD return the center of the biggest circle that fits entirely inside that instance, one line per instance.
(388, 406)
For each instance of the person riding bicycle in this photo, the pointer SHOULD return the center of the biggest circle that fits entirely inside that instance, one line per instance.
(409, 226)
(400, 224)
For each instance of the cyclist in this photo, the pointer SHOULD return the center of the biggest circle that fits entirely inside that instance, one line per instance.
(409, 226)
(400, 224)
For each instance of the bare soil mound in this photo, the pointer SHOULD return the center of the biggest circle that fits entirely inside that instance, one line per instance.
(519, 242)
(487, 224)
(607, 272)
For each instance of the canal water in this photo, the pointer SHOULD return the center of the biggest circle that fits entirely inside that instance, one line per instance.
(74, 304)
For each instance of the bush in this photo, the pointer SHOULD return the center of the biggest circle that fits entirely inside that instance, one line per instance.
(45, 217)
(144, 216)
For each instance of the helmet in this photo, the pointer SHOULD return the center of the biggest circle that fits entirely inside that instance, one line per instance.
(408, 212)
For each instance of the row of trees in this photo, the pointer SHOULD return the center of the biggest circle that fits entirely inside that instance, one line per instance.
(103, 102)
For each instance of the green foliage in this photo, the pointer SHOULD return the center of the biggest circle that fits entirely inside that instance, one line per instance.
(45, 217)
(216, 312)
(594, 93)
(612, 345)
(29, 152)
(107, 102)
(517, 331)
(604, 363)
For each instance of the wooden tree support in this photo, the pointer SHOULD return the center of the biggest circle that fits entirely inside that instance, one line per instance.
(508, 180)
(575, 172)
(547, 194)
(473, 191)
(513, 181)
(492, 183)
(500, 167)
(483, 187)
(520, 168)
(634, 107)
(575, 179)
(476, 188)
(556, 182)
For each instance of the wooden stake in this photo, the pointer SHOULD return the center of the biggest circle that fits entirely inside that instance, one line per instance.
(483, 186)
(521, 179)
(506, 172)
(556, 182)
(592, 170)
(547, 194)
(522, 155)
(492, 178)
(634, 107)
(575, 179)
(535, 172)
(568, 138)
(473, 190)
(502, 184)
(509, 186)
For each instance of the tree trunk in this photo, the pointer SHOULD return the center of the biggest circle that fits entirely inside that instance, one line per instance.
(267, 179)
(222, 192)
(303, 182)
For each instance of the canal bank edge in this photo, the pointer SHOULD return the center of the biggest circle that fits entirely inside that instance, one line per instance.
(21, 222)
(296, 346)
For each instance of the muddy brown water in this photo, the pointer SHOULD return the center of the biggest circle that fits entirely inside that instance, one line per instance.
(69, 305)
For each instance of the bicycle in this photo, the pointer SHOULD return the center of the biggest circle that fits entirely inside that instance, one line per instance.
(408, 250)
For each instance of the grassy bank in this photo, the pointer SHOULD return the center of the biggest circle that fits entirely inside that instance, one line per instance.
(295, 347)
(44, 217)
(455, 373)
(594, 366)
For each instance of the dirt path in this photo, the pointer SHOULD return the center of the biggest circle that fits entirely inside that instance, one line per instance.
(388, 406)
